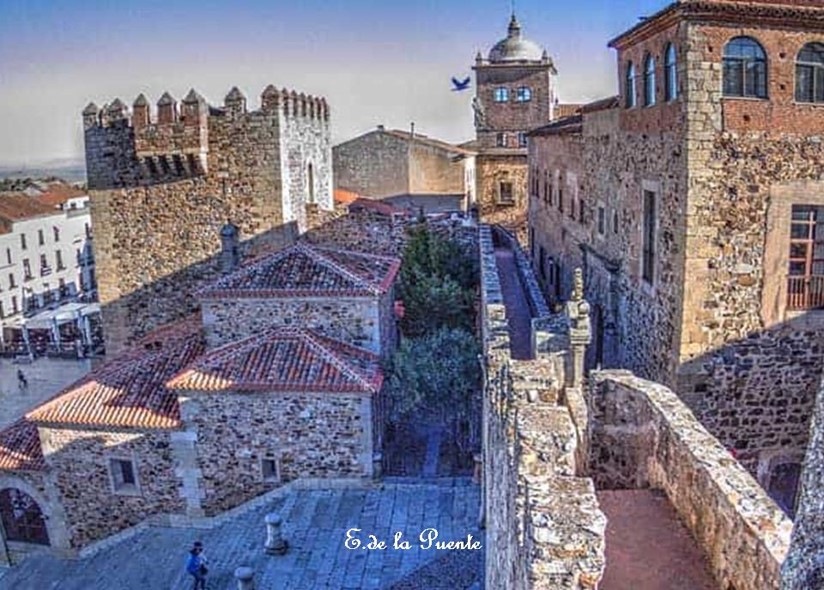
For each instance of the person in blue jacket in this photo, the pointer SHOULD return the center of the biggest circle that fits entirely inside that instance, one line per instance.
(196, 566)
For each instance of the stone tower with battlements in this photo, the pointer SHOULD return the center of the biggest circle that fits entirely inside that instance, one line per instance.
(163, 185)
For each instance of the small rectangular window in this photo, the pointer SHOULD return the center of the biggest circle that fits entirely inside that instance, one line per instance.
(12, 283)
(14, 307)
(44, 263)
(8, 255)
(602, 219)
(560, 199)
(522, 139)
(615, 222)
(524, 94)
(505, 193)
(501, 94)
(270, 469)
(648, 256)
(40, 237)
(26, 269)
(501, 140)
(56, 233)
(124, 476)
(23, 241)
(542, 263)
(58, 255)
(581, 211)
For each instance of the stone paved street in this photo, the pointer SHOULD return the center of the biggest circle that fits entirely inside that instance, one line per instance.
(46, 377)
(315, 524)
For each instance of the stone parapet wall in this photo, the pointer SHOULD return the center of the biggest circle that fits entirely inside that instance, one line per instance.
(542, 520)
(645, 436)
(804, 566)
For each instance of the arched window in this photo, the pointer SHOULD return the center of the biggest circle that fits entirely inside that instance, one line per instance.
(670, 74)
(745, 68)
(649, 81)
(809, 73)
(630, 99)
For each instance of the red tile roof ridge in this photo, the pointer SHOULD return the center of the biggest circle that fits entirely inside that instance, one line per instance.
(20, 448)
(220, 287)
(151, 409)
(324, 346)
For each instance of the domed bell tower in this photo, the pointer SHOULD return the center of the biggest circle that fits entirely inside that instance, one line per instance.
(514, 95)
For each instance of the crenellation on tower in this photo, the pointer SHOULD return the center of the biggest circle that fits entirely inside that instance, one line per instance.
(141, 112)
(204, 164)
(91, 116)
(235, 103)
(166, 109)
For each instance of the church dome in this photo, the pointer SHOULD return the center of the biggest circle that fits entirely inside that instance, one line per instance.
(516, 48)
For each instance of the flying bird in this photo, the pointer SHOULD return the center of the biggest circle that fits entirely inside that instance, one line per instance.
(459, 86)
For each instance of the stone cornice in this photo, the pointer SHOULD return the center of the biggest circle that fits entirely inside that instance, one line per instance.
(805, 18)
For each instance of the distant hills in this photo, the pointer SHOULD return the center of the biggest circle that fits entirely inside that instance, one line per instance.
(70, 170)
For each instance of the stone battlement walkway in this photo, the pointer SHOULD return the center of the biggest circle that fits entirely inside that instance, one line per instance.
(517, 307)
(648, 548)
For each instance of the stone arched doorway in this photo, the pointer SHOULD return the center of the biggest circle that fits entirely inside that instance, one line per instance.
(22, 518)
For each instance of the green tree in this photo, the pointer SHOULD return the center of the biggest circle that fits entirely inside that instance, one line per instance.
(438, 377)
(438, 284)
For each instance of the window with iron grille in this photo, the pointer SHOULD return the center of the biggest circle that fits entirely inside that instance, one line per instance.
(805, 289)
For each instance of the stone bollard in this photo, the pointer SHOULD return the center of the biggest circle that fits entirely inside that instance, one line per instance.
(245, 577)
(275, 543)
(377, 465)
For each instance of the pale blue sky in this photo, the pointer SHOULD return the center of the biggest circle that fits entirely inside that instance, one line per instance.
(374, 61)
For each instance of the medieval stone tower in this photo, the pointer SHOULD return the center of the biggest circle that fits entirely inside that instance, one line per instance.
(162, 188)
(514, 95)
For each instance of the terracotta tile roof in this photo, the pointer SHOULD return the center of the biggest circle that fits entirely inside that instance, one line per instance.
(564, 126)
(345, 197)
(612, 102)
(378, 206)
(303, 270)
(19, 206)
(58, 194)
(20, 448)
(130, 390)
(284, 359)
(428, 141)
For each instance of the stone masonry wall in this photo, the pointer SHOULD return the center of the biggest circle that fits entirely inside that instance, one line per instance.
(161, 190)
(356, 320)
(79, 462)
(749, 368)
(804, 567)
(310, 435)
(643, 435)
(433, 171)
(375, 165)
(541, 518)
(490, 172)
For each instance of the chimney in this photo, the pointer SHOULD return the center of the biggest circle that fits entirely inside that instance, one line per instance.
(381, 128)
(229, 251)
(412, 129)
